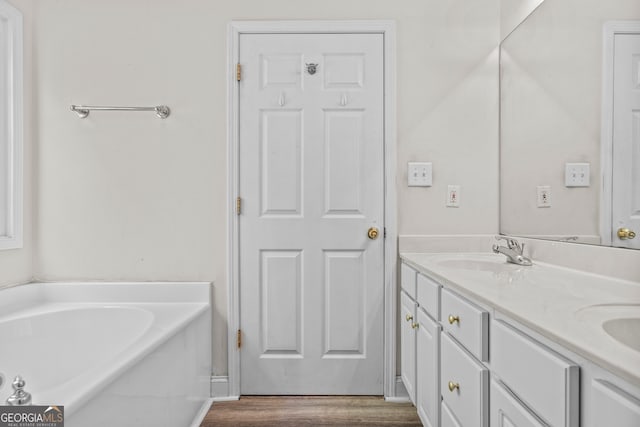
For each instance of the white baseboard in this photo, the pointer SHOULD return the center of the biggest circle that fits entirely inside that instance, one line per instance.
(197, 420)
(220, 388)
(401, 395)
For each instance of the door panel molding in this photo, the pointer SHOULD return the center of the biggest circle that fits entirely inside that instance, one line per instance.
(387, 29)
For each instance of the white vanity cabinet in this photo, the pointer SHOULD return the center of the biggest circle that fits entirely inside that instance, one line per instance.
(420, 343)
(457, 377)
(523, 348)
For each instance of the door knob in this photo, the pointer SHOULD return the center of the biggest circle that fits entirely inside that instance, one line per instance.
(625, 233)
(373, 233)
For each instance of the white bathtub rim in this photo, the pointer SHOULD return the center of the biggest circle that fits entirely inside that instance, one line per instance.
(85, 386)
(23, 296)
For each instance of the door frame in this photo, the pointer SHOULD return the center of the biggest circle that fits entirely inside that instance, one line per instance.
(610, 29)
(387, 29)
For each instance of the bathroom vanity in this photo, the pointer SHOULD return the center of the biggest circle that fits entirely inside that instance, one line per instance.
(488, 343)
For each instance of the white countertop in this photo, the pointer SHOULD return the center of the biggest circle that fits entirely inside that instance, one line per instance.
(564, 305)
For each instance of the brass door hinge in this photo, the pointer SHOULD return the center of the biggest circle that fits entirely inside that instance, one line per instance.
(239, 338)
(238, 205)
(238, 72)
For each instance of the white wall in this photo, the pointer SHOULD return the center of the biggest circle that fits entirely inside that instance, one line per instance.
(131, 197)
(16, 264)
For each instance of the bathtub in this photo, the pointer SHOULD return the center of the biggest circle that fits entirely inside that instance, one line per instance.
(113, 354)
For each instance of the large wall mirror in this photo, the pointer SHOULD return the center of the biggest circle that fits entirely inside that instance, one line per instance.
(570, 123)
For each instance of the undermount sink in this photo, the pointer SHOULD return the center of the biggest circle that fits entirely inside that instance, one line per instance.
(619, 321)
(625, 331)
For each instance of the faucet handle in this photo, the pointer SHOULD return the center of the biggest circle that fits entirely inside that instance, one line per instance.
(19, 397)
(512, 243)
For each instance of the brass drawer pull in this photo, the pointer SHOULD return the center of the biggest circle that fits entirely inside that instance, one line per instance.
(409, 318)
(453, 386)
(415, 325)
(453, 319)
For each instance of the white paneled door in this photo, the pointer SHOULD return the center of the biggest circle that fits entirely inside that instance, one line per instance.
(312, 186)
(626, 142)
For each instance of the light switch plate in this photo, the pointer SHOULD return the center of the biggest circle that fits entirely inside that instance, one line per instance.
(419, 174)
(576, 174)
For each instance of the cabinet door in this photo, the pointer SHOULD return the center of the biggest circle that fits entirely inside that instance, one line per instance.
(428, 370)
(408, 322)
(613, 407)
(464, 384)
(448, 420)
(506, 411)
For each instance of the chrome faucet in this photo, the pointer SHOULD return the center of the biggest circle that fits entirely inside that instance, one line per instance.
(513, 251)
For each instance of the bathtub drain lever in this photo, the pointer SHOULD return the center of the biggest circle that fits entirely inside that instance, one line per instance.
(19, 396)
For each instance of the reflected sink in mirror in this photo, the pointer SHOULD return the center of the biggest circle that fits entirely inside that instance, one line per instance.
(625, 331)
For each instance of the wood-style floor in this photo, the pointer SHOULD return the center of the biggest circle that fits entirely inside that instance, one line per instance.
(285, 411)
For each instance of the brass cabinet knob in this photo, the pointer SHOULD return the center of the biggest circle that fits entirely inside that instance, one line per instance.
(409, 318)
(453, 319)
(625, 233)
(453, 386)
(415, 325)
(373, 233)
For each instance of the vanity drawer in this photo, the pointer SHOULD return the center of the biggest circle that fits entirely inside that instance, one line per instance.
(429, 295)
(545, 381)
(464, 384)
(408, 277)
(467, 323)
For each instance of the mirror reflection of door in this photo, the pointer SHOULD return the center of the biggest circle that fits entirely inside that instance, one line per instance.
(625, 195)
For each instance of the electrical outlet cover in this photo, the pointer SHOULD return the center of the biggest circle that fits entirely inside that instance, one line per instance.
(453, 196)
(544, 196)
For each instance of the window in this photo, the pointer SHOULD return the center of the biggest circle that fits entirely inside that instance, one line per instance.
(10, 126)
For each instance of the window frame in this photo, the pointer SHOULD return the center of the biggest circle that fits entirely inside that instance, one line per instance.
(11, 108)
